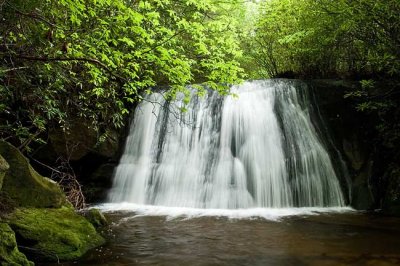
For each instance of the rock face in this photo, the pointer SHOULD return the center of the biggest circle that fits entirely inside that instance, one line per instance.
(4, 166)
(97, 184)
(9, 253)
(25, 186)
(80, 140)
(374, 179)
(391, 202)
(92, 155)
(54, 234)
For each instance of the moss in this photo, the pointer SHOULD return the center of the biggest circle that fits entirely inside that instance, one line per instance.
(95, 217)
(9, 253)
(7, 205)
(24, 185)
(4, 166)
(54, 234)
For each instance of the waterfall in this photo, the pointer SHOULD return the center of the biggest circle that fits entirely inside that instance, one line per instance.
(255, 148)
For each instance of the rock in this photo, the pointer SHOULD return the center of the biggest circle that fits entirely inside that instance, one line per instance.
(9, 253)
(75, 142)
(97, 184)
(362, 195)
(109, 147)
(53, 234)
(349, 130)
(353, 152)
(95, 217)
(4, 166)
(79, 140)
(391, 204)
(25, 186)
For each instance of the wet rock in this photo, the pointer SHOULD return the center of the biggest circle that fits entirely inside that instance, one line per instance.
(362, 196)
(95, 217)
(349, 130)
(391, 204)
(97, 184)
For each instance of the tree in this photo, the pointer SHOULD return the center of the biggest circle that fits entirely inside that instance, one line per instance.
(96, 58)
(329, 38)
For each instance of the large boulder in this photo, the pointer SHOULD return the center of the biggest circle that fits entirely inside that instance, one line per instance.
(25, 186)
(9, 253)
(4, 166)
(53, 234)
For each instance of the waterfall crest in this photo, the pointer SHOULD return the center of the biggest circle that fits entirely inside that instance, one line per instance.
(258, 149)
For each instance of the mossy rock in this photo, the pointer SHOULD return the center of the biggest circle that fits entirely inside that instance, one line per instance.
(95, 217)
(4, 166)
(9, 253)
(25, 186)
(53, 234)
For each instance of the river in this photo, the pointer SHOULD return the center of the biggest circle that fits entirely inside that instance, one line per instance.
(337, 238)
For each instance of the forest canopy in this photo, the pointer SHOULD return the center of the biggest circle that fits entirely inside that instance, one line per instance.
(326, 38)
(95, 59)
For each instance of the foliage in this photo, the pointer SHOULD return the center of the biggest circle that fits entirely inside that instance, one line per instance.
(95, 58)
(336, 39)
(328, 38)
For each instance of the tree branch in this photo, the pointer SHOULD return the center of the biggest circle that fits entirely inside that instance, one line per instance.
(89, 60)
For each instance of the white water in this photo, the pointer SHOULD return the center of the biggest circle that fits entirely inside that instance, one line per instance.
(259, 150)
(272, 214)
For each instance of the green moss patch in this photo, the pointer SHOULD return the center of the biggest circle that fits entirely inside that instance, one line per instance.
(9, 253)
(95, 217)
(25, 186)
(53, 234)
(4, 166)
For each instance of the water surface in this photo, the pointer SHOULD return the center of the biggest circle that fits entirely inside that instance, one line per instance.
(349, 238)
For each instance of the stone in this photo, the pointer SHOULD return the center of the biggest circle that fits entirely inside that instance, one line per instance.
(362, 195)
(95, 217)
(75, 142)
(96, 185)
(79, 140)
(9, 253)
(4, 166)
(25, 186)
(109, 147)
(391, 203)
(53, 234)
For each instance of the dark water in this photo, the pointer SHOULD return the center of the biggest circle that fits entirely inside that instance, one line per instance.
(326, 239)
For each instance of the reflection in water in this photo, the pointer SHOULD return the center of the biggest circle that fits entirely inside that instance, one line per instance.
(326, 239)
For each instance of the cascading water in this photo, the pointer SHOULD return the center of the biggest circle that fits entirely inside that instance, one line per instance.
(258, 149)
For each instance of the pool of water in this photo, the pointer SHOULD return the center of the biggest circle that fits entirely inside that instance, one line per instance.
(330, 238)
